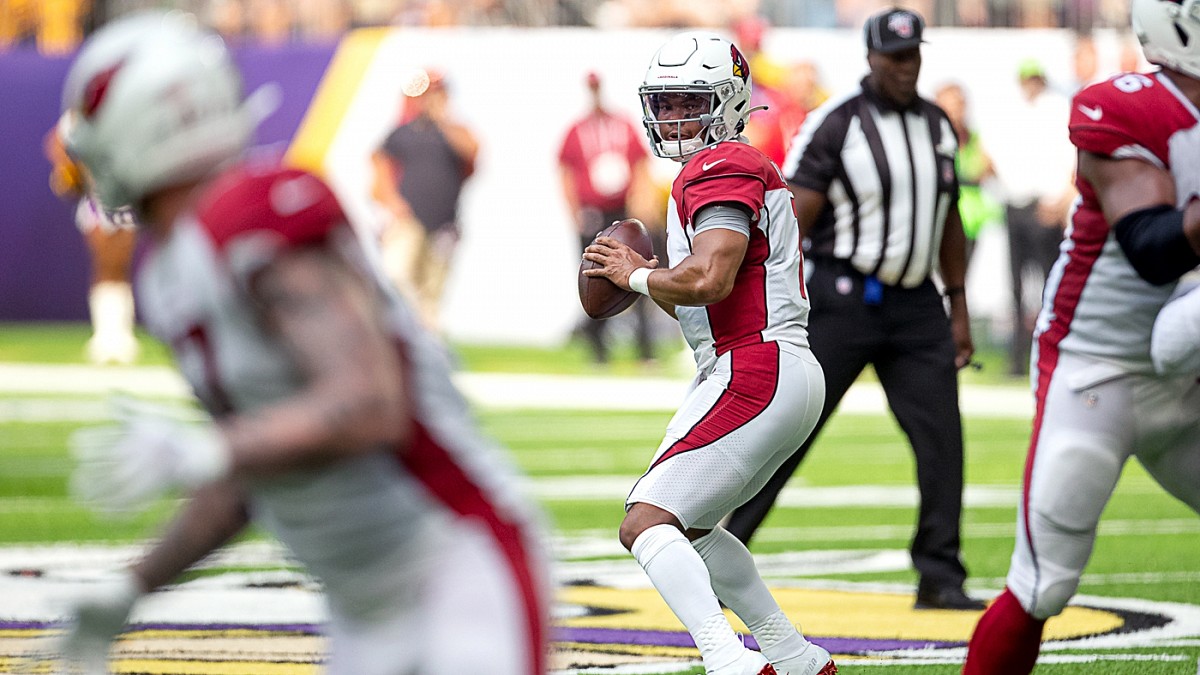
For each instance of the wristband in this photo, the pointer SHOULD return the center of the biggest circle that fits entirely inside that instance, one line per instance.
(952, 291)
(639, 280)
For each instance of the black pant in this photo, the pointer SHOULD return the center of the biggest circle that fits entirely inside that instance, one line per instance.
(907, 338)
(595, 331)
(1030, 244)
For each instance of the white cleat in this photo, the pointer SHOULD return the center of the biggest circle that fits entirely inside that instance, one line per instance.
(814, 660)
(750, 663)
(112, 349)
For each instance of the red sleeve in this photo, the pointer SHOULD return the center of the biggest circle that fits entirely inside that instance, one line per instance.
(729, 172)
(254, 213)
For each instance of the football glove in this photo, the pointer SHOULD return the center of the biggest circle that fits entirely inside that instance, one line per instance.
(124, 467)
(95, 618)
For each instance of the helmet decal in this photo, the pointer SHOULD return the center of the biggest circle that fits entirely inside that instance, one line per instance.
(901, 23)
(740, 67)
(97, 87)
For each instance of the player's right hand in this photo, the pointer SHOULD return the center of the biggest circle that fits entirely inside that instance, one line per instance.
(125, 467)
(95, 617)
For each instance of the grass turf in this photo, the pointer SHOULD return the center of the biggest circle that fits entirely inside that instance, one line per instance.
(1147, 548)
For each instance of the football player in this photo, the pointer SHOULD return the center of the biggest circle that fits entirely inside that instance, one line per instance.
(110, 241)
(1134, 232)
(734, 282)
(335, 423)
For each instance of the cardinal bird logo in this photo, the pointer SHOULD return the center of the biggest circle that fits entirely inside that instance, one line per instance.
(740, 67)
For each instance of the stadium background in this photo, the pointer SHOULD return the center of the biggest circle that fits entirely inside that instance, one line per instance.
(519, 88)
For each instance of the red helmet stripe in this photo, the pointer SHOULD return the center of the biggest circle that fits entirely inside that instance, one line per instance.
(97, 87)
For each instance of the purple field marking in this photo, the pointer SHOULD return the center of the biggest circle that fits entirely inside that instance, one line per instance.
(608, 636)
(657, 638)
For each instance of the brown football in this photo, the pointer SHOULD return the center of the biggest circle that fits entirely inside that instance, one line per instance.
(600, 297)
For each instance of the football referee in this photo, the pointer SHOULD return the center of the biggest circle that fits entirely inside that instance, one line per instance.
(876, 195)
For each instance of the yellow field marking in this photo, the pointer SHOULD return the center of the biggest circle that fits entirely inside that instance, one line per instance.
(175, 667)
(828, 613)
(336, 91)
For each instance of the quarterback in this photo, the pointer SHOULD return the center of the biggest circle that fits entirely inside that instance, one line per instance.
(735, 284)
(335, 423)
(1099, 398)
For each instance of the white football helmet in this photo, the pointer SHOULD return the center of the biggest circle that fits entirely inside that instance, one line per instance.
(697, 63)
(1169, 31)
(152, 100)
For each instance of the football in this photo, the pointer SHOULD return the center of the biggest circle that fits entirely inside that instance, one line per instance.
(600, 297)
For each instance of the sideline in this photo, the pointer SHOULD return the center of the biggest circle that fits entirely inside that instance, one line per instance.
(500, 391)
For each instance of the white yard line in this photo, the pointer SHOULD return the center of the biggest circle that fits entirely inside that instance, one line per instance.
(489, 390)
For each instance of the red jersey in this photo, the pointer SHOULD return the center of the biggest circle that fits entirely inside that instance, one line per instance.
(1095, 303)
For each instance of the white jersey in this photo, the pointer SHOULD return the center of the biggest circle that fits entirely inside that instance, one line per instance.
(360, 523)
(768, 302)
(1095, 304)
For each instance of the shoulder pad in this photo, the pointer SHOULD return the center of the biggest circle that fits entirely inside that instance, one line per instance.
(295, 205)
(731, 159)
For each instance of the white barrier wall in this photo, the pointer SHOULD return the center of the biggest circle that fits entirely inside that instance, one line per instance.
(514, 277)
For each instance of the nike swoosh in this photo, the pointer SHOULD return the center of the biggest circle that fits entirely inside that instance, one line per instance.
(1094, 114)
(709, 165)
(291, 196)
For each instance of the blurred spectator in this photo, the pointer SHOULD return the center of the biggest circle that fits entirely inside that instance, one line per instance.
(1130, 60)
(1085, 63)
(763, 127)
(420, 171)
(323, 20)
(110, 242)
(973, 165)
(227, 18)
(600, 160)
(1035, 163)
(271, 21)
(802, 92)
(54, 26)
(669, 13)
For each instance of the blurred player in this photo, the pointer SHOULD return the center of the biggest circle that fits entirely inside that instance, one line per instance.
(735, 285)
(110, 239)
(1133, 233)
(336, 424)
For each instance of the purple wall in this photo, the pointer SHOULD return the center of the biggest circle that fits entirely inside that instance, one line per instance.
(44, 267)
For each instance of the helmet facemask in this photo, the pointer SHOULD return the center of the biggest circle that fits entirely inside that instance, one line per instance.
(668, 136)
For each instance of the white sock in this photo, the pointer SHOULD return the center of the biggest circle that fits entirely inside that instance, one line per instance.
(681, 578)
(736, 581)
(111, 306)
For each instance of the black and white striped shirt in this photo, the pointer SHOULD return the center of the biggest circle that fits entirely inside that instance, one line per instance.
(889, 177)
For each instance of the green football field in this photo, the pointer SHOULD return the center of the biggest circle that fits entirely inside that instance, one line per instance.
(835, 549)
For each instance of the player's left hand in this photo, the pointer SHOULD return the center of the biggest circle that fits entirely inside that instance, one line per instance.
(124, 467)
(616, 261)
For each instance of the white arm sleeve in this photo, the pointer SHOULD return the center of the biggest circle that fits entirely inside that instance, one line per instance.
(1175, 342)
(724, 217)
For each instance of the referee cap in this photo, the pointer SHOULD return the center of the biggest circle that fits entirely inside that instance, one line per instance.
(893, 30)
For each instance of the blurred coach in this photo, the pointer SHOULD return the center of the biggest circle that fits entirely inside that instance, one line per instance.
(876, 194)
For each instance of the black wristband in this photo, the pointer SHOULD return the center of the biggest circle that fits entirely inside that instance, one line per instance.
(951, 291)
